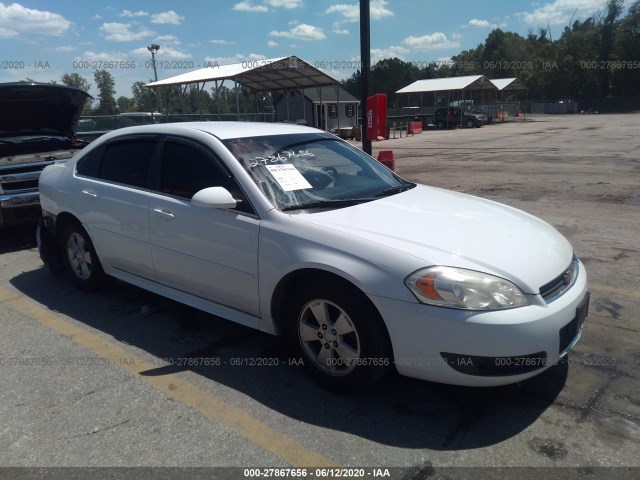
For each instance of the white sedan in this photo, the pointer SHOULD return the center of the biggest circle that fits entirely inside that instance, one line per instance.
(290, 230)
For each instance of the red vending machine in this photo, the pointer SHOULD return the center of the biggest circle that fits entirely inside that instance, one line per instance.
(376, 121)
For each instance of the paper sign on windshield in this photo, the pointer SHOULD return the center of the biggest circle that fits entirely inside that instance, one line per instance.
(288, 177)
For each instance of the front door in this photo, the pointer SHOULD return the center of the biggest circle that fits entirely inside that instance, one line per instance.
(206, 252)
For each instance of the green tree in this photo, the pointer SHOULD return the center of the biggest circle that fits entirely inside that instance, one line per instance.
(626, 81)
(225, 97)
(352, 84)
(125, 104)
(75, 80)
(106, 91)
(607, 36)
(390, 75)
(144, 99)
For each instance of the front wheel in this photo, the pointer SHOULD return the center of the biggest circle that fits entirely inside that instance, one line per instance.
(470, 124)
(81, 259)
(439, 124)
(339, 335)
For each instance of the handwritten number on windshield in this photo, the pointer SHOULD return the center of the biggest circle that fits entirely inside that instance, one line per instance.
(280, 157)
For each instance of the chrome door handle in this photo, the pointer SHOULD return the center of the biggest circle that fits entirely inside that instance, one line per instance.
(89, 194)
(164, 213)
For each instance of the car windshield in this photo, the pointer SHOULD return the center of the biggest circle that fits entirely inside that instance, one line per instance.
(304, 171)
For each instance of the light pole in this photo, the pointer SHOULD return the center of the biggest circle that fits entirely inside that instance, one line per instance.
(153, 48)
(365, 70)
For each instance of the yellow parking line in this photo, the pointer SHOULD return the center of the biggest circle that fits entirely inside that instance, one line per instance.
(625, 292)
(179, 390)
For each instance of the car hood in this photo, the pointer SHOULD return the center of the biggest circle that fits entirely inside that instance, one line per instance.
(39, 109)
(442, 227)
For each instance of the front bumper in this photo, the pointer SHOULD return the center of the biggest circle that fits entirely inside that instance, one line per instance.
(437, 344)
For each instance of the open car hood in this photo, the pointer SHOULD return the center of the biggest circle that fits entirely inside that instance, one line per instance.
(39, 109)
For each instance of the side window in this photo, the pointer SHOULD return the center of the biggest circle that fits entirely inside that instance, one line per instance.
(186, 170)
(128, 162)
(89, 165)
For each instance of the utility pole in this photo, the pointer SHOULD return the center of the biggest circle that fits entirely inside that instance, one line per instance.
(365, 70)
(153, 48)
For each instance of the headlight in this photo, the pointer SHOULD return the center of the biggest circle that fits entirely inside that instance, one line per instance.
(466, 289)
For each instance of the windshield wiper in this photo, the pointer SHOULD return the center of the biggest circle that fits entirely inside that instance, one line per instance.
(328, 203)
(394, 190)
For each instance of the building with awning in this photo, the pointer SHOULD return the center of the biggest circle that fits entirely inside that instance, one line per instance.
(449, 84)
(451, 89)
(283, 74)
(328, 108)
(511, 87)
(467, 92)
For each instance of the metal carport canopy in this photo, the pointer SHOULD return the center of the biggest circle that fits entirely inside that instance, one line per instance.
(504, 84)
(470, 82)
(262, 75)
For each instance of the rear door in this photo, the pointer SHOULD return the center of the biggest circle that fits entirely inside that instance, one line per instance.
(113, 202)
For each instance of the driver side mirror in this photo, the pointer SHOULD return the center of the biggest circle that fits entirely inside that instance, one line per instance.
(214, 197)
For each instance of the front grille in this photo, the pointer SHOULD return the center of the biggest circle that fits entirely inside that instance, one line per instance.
(21, 178)
(24, 168)
(563, 282)
(12, 187)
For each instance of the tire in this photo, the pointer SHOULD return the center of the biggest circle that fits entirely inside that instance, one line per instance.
(80, 257)
(470, 124)
(339, 335)
(48, 249)
(439, 124)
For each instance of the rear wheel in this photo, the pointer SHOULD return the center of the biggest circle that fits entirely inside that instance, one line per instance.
(48, 248)
(470, 124)
(439, 124)
(80, 256)
(340, 336)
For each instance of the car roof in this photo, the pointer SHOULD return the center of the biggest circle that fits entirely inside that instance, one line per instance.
(222, 130)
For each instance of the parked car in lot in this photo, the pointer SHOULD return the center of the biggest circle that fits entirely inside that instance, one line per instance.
(455, 117)
(36, 130)
(130, 119)
(291, 230)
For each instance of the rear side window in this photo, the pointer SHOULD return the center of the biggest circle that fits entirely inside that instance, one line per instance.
(128, 162)
(89, 165)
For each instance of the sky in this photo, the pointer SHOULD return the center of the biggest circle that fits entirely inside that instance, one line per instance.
(43, 40)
